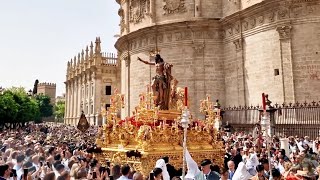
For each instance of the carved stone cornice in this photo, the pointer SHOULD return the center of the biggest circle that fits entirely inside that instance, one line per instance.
(174, 6)
(171, 35)
(268, 14)
(198, 48)
(238, 44)
(284, 32)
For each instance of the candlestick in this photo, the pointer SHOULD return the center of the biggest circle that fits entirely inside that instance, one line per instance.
(186, 96)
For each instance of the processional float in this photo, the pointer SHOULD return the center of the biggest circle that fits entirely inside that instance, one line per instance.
(152, 133)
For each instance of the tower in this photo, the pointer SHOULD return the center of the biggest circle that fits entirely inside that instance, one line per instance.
(48, 89)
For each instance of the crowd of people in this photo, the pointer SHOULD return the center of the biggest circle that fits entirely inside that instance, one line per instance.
(50, 151)
(253, 156)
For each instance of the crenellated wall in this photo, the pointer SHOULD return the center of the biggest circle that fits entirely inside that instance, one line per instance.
(48, 89)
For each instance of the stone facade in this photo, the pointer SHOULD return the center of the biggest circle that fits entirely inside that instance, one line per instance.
(48, 89)
(232, 50)
(91, 78)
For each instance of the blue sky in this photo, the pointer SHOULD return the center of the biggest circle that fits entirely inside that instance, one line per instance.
(38, 37)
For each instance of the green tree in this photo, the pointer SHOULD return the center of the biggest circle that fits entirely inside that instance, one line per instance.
(59, 110)
(8, 107)
(46, 109)
(17, 108)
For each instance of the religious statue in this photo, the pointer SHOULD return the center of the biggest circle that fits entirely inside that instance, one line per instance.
(35, 87)
(268, 102)
(161, 81)
(83, 124)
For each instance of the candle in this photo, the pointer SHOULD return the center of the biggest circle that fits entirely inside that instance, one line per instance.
(186, 96)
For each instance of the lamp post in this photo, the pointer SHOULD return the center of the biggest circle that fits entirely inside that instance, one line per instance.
(185, 125)
(29, 93)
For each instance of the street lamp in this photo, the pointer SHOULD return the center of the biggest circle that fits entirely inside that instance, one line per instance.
(185, 124)
(29, 93)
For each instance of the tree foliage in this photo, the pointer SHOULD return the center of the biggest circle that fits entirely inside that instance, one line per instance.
(16, 107)
(46, 109)
(59, 109)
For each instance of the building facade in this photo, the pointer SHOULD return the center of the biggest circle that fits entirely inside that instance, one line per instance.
(91, 78)
(48, 89)
(232, 50)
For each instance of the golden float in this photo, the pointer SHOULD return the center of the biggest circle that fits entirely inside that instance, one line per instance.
(151, 133)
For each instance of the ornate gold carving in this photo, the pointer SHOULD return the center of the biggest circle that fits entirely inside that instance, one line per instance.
(151, 134)
(174, 6)
(137, 10)
(284, 32)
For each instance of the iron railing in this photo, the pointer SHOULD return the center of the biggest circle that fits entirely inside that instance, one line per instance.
(301, 119)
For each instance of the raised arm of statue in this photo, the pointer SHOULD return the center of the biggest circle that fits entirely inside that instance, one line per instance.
(146, 62)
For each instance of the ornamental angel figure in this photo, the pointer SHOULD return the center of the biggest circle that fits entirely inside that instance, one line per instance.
(161, 81)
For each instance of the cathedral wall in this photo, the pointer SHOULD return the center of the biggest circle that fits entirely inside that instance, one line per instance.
(229, 7)
(135, 15)
(306, 61)
(211, 9)
(196, 55)
(247, 3)
(271, 47)
(262, 56)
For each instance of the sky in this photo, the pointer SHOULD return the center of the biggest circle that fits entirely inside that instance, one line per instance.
(39, 37)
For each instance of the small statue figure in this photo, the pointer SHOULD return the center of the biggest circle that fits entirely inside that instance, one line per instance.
(161, 81)
(268, 102)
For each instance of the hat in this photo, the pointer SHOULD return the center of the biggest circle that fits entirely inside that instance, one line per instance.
(205, 162)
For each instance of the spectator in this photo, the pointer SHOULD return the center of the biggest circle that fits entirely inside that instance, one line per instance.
(4, 171)
(125, 170)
